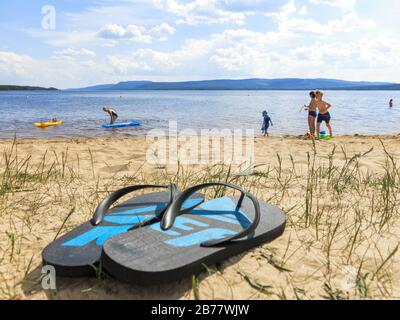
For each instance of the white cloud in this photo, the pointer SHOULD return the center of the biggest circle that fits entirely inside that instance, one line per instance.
(131, 32)
(348, 23)
(136, 33)
(112, 31)
(200, 12)
(162, 31)
(234, 53)
(70, 52)
(149, 60)
(284, 12)
(373, 59)
(303, 11)
(336, 3)
(58, 71)
(14, 64)
(216, 11)
(290, 24)
(241, 50)
(239, 53)
(293, 42)
(250, 5)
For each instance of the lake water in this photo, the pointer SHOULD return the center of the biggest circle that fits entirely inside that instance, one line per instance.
(359, 112)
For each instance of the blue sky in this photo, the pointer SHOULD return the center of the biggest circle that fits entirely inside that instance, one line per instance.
(73, 43)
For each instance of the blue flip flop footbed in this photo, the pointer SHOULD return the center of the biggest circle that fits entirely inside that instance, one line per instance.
(119, 222)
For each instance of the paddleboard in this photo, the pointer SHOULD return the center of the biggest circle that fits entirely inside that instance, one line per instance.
(122, 125)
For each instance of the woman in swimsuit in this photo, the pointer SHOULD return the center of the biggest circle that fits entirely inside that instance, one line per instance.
(312, 113)
(112, 113)
(323, 113)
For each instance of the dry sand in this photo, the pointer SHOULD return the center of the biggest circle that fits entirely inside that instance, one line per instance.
(342, 206)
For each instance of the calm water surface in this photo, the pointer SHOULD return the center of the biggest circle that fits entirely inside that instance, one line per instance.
(360, 112)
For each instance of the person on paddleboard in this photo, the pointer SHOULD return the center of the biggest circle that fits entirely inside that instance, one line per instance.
(112, 113)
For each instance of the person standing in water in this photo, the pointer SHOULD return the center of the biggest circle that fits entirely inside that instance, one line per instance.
(323, 113)
(312, 113)
(112, 113)
(391, 103)
(266, 122)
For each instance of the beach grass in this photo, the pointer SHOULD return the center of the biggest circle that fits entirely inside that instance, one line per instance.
(341, 239)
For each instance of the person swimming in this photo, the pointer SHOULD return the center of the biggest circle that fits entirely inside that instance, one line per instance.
(266, 122)
(323, 113)
(312, 112)
(112, 113)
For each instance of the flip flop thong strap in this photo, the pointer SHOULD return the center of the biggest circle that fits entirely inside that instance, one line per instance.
(174, 209)
(105, 205)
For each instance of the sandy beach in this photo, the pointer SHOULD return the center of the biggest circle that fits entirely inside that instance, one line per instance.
(341, 197)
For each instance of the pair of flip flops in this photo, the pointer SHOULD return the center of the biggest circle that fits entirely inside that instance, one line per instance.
(164, 236)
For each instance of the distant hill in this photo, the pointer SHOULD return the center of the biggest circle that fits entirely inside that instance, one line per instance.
(247, 84)
(391, 87)
(22, 88)
(128, 85)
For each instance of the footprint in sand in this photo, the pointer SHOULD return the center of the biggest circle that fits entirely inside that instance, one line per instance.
(137, 157)
(115, 169)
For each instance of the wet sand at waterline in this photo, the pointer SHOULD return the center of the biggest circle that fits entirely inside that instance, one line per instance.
(341, 197)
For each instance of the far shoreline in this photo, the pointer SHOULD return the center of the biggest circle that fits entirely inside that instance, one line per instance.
(55, 90)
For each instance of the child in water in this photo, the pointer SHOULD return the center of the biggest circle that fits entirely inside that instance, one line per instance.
(312, 113)
(266, 122)
(323, 113)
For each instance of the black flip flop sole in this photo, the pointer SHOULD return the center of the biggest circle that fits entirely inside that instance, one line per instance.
(152, 256)
(78, 252)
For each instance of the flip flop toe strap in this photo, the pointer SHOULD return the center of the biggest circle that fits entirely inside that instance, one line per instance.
(174, 209)
(105, 205)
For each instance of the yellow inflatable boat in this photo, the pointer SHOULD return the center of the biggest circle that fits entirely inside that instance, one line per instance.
(47, 124)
